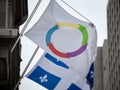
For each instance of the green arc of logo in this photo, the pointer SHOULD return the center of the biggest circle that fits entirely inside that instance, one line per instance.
(84, 33)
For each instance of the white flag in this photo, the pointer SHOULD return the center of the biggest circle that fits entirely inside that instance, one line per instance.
(66, 38)
(55, 75)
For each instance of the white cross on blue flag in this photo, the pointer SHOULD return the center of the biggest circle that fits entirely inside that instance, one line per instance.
(55, 76)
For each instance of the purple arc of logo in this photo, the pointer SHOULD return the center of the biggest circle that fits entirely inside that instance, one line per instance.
(77, 52)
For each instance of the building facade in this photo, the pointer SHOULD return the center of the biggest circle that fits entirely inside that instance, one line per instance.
(101, 68)
(105, 65)
(113, 20)
(12, 14)
(110, 52)
(98, 73)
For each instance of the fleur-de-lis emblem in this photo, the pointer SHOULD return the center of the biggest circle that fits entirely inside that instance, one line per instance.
(92, 74)
(43, 78)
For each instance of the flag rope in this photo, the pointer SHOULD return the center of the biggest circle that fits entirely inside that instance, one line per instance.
(26, 67)
(77, 12)
(26, 24)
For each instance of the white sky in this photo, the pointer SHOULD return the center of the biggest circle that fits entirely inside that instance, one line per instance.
(94, 10)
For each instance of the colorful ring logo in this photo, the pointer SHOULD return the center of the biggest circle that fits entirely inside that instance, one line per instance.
(81, 28)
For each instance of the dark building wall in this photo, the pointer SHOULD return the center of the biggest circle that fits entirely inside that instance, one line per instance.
(10, 64)
(17, 13)
(12, 15)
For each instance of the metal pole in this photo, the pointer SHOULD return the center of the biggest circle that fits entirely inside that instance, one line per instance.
(76, 11)
(26, 67)
(26, 24)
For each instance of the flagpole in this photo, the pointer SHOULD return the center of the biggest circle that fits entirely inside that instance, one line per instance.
(77, 11)
(26, 67)
(26, 24)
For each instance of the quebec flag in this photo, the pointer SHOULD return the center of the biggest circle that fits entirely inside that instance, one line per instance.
(90, 76)
(55, 75)
(66, 38)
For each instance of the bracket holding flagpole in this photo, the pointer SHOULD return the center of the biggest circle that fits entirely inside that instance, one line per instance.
(26, 24)
(77, 12)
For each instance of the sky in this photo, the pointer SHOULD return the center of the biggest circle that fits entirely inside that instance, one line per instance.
(94, 10)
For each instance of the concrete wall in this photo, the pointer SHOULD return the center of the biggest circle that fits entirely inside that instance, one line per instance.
(98, 74)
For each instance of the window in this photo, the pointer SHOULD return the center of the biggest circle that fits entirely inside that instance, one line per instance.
(3, 69)
(3, 64)
(2, 14)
